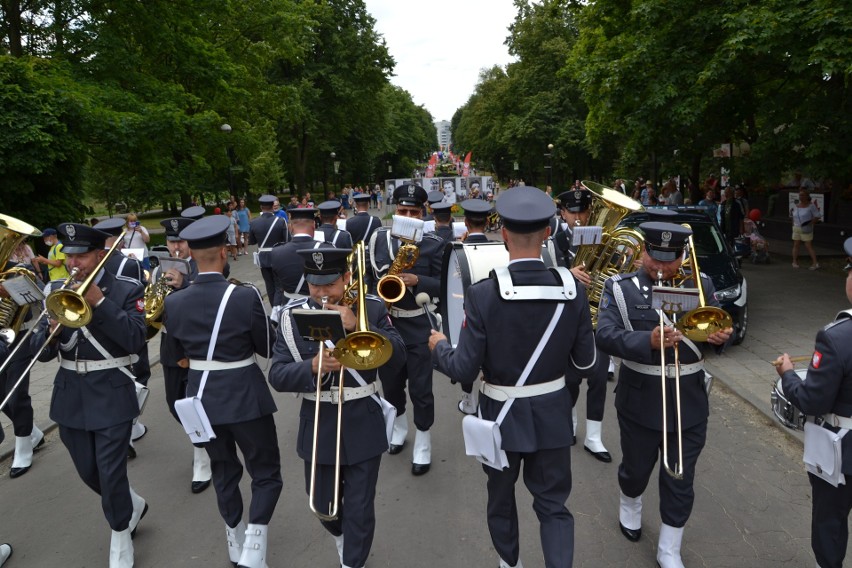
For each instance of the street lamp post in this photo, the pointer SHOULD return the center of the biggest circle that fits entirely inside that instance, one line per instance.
(549, 166)
(336, 164)
(226, 128)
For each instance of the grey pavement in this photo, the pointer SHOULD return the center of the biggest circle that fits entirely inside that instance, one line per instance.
(752, 496)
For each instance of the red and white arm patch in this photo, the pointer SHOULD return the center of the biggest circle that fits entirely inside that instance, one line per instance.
(817, 358)
(464, 321)
(140, 305)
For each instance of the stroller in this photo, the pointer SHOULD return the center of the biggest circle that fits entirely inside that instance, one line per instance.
(757, 245)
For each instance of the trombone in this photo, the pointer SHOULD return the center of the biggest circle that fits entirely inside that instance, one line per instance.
(66, 306)
(677, 472)
(360, 350)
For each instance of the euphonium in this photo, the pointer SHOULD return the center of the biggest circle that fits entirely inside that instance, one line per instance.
(619, 247)
(390, 287)
(12, 233)
(155, 301)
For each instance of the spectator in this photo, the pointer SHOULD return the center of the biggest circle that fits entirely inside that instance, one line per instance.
(23, 254)
(294, 202)
(805, 215)
(55, 260)
(243, 218)
(232, 233)
(374, 198)
(278, 212)
(137, 237)
(731, 216)
(709, 204)
(648, 195)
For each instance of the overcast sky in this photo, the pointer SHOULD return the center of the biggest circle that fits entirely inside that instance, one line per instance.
(440, 46)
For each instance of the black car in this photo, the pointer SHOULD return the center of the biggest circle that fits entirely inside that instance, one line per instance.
(716, 259)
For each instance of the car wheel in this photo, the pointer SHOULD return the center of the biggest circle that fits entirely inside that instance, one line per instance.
(741, 326)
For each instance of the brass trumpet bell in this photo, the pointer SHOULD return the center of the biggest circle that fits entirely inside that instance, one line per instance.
(363, 350)
(69, 308)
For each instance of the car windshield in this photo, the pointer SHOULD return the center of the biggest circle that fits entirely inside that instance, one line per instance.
(708, 241)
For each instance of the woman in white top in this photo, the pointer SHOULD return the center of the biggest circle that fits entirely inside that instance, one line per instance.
(805, 215)
(137, 237)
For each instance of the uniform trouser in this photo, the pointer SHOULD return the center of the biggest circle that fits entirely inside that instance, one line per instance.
(19, 409)
(829, 521)
(356, 520)
(596, 383)
(100, 457)
(258, 442)
(418, 372)
(641, 447)
(547, 475)
(269, 282)
(174, 381)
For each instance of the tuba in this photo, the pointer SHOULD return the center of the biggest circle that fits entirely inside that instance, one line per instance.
(12, 233)
(619, 247)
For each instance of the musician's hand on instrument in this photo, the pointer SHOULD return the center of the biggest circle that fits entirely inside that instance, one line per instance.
(410, 280)
(436, 338)
(93, 295)
(580, 274)
(720, 337)
(667, 338)
(329, 363)
(783, 364)
(174, 278)
(346, 315)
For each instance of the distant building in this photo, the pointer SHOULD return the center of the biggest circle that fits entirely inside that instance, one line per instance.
(444, 134)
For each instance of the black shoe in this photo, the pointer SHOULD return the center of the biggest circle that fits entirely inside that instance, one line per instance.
(142, 516)
(632, 535)
(131, 452)
(420, 468)
(574, 441)
(18, 471)
(145, 431)
(610, 376)
(199, 486)
(39, 445)
(394, 449)
(602, 456)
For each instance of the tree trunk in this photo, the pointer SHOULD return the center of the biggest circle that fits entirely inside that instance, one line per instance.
(12, 9)
(697, 193)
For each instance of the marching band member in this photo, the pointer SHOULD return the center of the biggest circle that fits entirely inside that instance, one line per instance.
(328, 212)
(361, 225)
(629, 328)
(19, 408)
(287, 265)
(475, 218)
(413, 324)
(443, 221)
(267, 230)
(5, 548)
(524, 388)
(827, 392)
(432, 197)
(175, 376)
(121, 265)
(236, 397)
(574, 210)
(94, 401)
(294, 369)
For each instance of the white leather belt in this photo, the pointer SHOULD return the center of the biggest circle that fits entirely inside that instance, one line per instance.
(501, 392)
(201, 365)
(655, 370)
(399, 313)
(837, 421)
(349, 393)
(81, 367)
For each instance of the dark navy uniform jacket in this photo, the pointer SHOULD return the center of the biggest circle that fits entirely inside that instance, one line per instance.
(362, 225)
(501, 336)
(428, 268)
(566, 250)
(638, 396)
(230, 395)
(828, 385)
(98, 399)
(121, 265)
(445, 232)
(476, 238)
(364, 435)
(259, 227)
(288, 267)
(338, 238)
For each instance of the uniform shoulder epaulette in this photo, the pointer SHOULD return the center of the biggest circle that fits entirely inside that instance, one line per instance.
(433, 237)
(126, 279)
(278, 244)
(374, 298)
(295, 303)
(843, 317)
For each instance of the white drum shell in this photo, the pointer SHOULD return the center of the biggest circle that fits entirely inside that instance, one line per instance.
(783, 409)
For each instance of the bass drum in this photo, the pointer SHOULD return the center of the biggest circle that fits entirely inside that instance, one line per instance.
(783, 409)
(465, 264)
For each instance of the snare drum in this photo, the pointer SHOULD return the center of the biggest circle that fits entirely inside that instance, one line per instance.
(466, 264)
(783, 409)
